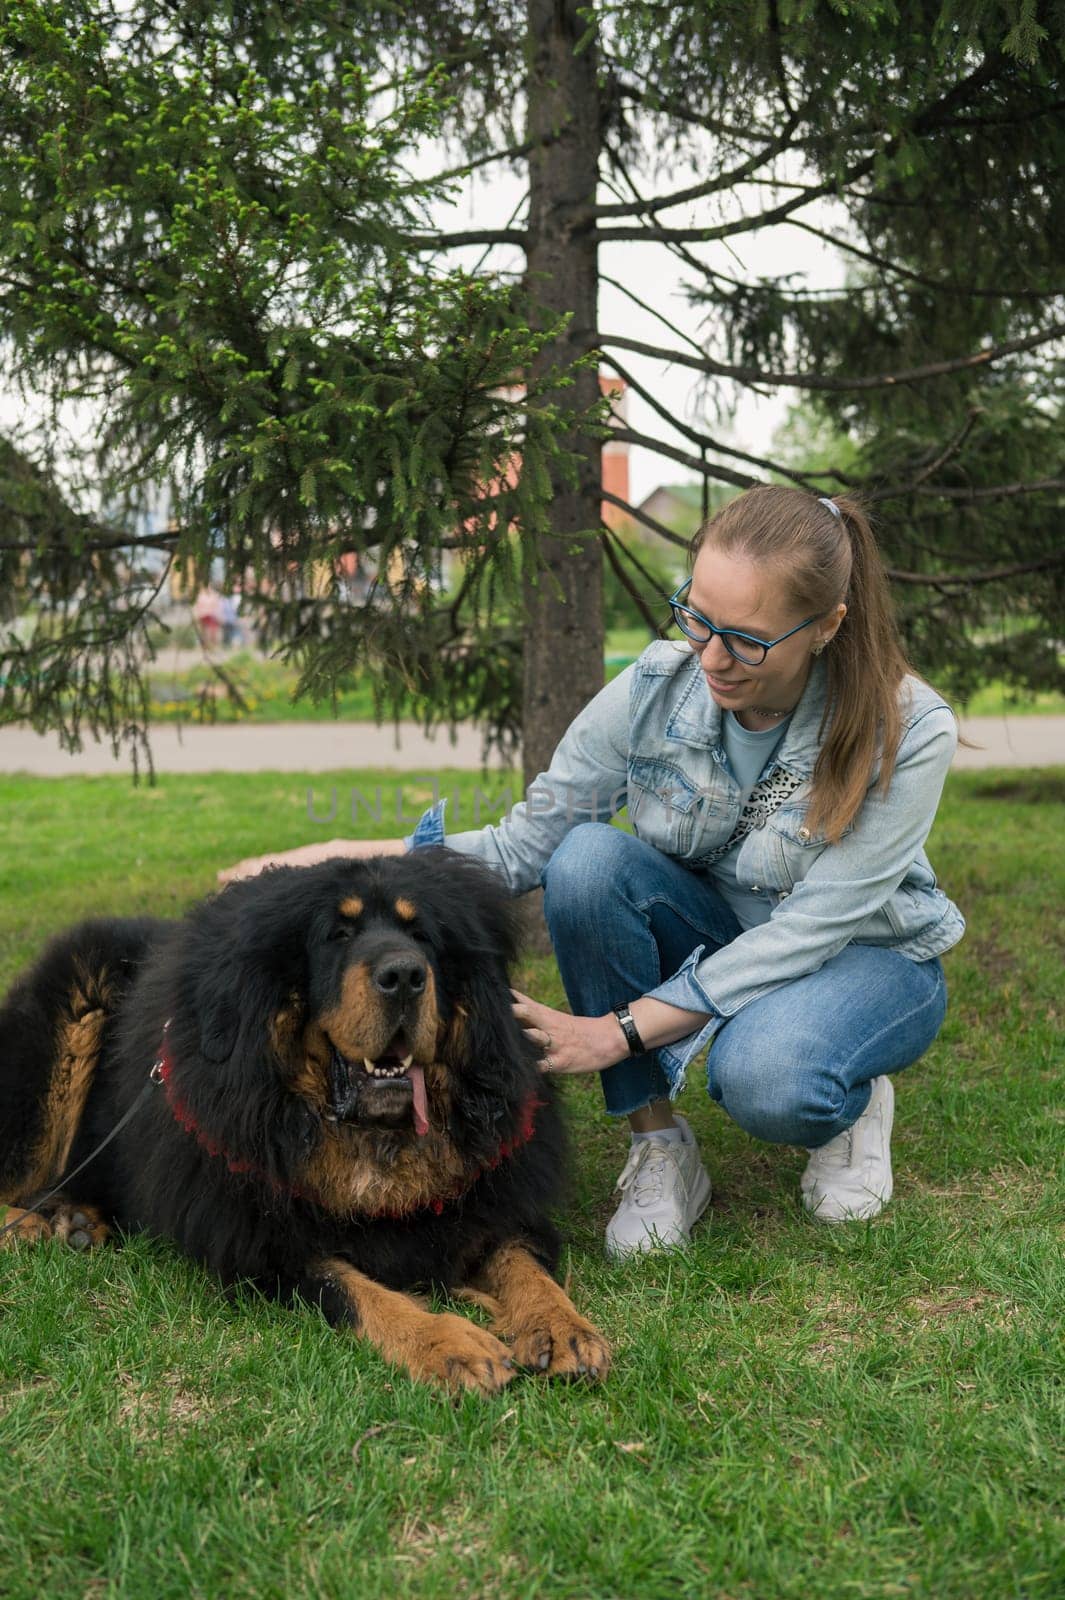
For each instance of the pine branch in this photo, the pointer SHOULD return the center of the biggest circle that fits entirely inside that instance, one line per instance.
(925, 120)
(794, 296)
(970, 580)
(633, 559)
(947, 453)
(936, 286)
(1013, 120)
(510, 153)
(726, 230)
(678, 250)
(453, 241)
(230, 684)
(608, 541)
(795, 380)
(1002, 491)
(704, 440)
(724, 180)
(664, 105)
(714, 278)
(920, 484)
(680, 333)
(96, 543)
(917, 486)
(648, 522)
(705, 469)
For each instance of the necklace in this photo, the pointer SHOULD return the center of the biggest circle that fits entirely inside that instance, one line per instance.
(759, 711)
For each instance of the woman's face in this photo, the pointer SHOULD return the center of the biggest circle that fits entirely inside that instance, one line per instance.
(731, 592)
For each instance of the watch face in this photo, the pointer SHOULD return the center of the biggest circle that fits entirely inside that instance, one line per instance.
(629, 1029)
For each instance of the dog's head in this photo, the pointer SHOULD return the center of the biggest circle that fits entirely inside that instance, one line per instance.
(374, 993)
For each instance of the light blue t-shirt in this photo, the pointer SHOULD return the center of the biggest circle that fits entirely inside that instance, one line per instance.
(748, 754)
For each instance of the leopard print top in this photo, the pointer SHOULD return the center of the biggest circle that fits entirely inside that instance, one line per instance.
(762, 801)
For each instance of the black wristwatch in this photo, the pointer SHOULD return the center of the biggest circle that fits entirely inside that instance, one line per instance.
(630, 1030)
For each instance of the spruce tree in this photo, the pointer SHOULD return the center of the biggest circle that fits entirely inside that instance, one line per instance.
(206, 226)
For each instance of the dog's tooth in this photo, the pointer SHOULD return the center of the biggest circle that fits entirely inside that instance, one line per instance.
(407, 1061)
(367, 1063)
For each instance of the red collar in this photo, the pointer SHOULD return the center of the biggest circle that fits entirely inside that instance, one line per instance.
(162, 1072)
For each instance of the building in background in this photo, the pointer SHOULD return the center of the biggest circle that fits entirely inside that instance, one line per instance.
(615, 456)
(679, 507)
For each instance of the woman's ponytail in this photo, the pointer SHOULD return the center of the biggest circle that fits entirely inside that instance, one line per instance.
(866, 664)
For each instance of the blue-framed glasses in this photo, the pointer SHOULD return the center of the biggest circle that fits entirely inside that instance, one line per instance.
(741, 646)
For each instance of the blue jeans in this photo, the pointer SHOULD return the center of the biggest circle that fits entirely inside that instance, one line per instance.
(793, 1067)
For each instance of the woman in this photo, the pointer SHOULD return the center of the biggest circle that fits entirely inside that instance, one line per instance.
(782, 769)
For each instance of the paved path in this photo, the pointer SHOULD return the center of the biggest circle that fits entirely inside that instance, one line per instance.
(254, 747)
(327, 746)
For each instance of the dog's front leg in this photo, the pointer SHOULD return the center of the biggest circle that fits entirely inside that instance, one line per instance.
(546, 1330)
(435, 1346)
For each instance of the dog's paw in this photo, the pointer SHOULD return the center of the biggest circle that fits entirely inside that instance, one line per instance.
(561, 1344)
(81, 1227)
(458, 1354)
(22, 1227)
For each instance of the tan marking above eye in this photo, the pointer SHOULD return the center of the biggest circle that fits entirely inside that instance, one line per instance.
(406, 909)
(352, 907)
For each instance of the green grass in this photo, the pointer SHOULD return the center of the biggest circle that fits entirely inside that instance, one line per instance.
(795, 1411)
(998, 699)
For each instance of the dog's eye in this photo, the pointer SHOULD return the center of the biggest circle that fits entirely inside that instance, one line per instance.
(343, 931)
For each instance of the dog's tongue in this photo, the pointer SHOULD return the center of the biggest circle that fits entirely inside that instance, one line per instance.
(421, 1106)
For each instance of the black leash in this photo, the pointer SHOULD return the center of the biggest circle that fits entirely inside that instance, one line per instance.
(154, 1078)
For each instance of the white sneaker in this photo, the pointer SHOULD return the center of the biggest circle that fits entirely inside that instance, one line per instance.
(665, 1190)
(849, 1178)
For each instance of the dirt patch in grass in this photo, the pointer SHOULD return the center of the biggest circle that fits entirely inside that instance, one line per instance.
(931, 1311)
(991, 957)
(837, 1331)
(842, 1325)
(1009, 1189)
(420, 1543)
(39, 1381)
(167, 1402)
(753, 1182)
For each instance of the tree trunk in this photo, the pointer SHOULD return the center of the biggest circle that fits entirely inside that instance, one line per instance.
(563, 666)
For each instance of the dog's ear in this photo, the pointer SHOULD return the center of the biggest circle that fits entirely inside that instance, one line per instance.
(494, 1066)
(471, 903)
(240, 1001)
(484, 1040)
(247, 951)
(483, 1030)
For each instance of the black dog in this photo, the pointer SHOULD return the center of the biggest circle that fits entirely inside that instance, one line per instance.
(342, 1105)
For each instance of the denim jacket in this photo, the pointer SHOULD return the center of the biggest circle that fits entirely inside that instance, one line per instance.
(652, 740)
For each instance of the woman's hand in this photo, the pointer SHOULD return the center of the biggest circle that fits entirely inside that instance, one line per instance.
(306, 855)
(309, 855)
(568, 1043)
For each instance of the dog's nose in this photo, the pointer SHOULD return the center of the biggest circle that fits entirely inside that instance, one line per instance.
(401, 976)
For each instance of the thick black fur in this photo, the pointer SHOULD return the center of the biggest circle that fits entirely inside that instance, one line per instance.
(221, 976)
